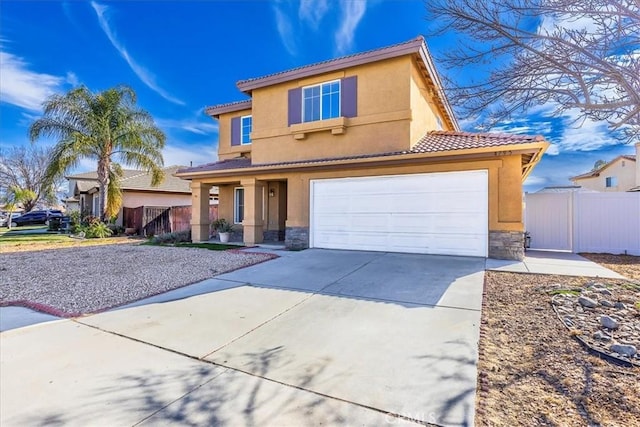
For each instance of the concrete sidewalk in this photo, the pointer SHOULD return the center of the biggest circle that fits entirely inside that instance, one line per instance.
(548, 262)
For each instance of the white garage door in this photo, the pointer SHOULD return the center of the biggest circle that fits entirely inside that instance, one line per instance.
(434, 213)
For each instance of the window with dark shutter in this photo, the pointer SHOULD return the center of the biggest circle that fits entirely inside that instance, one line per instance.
(235, 131)
(338, 98)
(295, 106)
(349, 96)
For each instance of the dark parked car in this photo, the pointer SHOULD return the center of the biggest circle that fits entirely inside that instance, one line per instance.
(36, 217)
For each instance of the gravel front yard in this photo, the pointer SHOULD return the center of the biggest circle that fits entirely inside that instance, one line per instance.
(532, 371)
(74, 281)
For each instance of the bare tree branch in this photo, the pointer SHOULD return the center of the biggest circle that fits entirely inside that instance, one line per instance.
(24, 168)
(581, 55)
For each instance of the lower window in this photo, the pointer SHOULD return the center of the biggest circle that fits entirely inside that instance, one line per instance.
(238, 205)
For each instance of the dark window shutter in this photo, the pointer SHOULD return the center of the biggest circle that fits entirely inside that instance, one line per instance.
(295, 106)
(235, 131)
(349, 95)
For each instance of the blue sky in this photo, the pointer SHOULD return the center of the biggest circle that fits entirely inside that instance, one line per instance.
(181, 56)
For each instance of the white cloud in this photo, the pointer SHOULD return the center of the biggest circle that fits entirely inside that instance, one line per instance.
(584, 134)
(24, 87)
(352, 12)
(189, 125)
(553, 150)
(285, 27)
(144, 75)
(292, 22)
(186, 155)
(72, 79)
(312, 11)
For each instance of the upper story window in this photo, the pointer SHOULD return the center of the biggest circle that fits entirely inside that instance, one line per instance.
(246, 124)
(321, 102)
(611, 181)
(328, 100)
(241, 128)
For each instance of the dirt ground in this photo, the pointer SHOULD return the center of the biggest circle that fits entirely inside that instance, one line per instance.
(627, 265)
(532, 372)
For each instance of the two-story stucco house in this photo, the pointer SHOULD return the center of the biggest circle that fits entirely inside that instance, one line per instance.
(363, 152)
(619, 174)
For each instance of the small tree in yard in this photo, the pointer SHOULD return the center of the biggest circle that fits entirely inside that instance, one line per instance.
(15, 196)
(580, 57)
(25, 168)
(106, 127)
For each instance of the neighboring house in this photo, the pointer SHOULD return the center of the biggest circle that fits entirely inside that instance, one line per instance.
(363, 152)
(84, 191)
(620, 174)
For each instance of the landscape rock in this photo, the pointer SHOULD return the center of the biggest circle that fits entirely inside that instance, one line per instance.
(609, 322)
(620, 305)
(587, 302)
(624, 349)
(599, 335)
(606, 303)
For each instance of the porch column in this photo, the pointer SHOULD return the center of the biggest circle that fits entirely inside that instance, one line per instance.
(253, 206)
(200, 211)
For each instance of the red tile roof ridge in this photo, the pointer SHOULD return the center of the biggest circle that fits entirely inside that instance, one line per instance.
(486, 135)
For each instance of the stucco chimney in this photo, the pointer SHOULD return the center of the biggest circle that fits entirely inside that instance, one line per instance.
(637, 164)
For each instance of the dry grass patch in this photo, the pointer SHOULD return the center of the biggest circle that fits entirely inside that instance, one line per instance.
(532, 372)
(627, 265)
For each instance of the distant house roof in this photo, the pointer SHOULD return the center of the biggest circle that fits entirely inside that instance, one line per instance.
(417, 47)
(561, 189)
(432, 142)
(93, 175)
(136, 180)
(598, 171)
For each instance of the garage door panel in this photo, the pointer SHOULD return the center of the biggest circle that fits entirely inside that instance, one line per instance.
(438, 213)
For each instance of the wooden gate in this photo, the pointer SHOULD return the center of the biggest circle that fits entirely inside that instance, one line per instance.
(154, 220)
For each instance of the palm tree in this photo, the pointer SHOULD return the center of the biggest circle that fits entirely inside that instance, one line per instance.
(106, 127)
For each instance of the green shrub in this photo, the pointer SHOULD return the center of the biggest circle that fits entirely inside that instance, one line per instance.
(97, 230)
(115, 229)
(171, 238)
(222, 226)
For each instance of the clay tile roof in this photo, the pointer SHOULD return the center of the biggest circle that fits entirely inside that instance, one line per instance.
(237, 163)
(436, 141)
(333, 64)
(229, 107)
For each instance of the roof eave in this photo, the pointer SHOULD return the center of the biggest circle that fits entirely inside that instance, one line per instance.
(407, 48)
(215, 110)
(435, 77)
(536, 148)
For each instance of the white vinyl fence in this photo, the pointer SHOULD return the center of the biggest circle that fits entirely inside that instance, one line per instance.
(584, 222)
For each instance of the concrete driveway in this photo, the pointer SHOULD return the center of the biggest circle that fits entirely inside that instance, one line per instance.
(314, 337)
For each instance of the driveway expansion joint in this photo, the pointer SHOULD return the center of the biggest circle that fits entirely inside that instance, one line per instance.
(230, 368)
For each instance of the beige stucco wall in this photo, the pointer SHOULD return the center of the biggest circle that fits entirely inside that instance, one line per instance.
(505, 189)
(395, 110)
(133, 199)
(225, 150)
(423, 107)
(623, 169)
